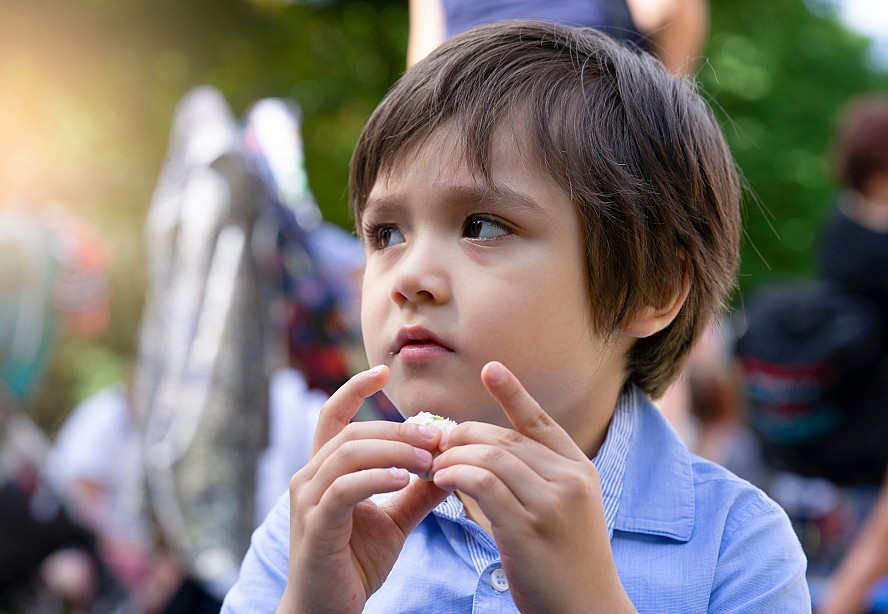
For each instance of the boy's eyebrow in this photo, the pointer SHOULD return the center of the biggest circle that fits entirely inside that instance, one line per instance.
(492, 195)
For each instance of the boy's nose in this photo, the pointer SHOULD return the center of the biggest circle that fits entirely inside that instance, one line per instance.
(421, 277)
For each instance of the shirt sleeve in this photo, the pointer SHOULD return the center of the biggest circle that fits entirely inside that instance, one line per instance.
(776, 583)
(263, 573)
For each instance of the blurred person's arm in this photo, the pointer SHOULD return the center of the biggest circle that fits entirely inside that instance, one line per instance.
(865, 563)
(677, 29)
(427, 29)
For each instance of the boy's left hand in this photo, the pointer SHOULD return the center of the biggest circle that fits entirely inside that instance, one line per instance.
(542, 496)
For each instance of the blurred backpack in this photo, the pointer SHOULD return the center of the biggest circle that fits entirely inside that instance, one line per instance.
(813, 374)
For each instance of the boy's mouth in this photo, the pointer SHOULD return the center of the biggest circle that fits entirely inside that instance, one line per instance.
(418, 343)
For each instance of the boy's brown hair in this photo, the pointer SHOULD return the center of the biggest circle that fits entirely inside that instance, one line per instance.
(637, 150)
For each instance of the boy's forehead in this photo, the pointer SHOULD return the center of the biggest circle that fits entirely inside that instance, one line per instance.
(445, 149)
(443, 171)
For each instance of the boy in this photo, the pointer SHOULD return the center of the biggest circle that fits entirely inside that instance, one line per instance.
(549, 221)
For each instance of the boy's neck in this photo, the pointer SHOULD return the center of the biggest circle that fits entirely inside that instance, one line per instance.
(474, 513)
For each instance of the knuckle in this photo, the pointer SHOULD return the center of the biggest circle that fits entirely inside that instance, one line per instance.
(297, 482)
(480, 479)
(348, 451)
(328, 409)
(336, 489)
(405, 430)
(491, 455)
(574, 486)
(541, 422)
(538, 525)
(508, 437)
(486, 481)
(350, 431)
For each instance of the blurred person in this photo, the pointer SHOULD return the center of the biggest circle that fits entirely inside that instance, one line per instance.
(674, 30)
(95, 461)
(807, 349)
(96, 464)
(854, 254)
(40, 542)
(706, 405)
(815, 361)
(296, 396)
(52, 279)
(854, 247)
(862, 576)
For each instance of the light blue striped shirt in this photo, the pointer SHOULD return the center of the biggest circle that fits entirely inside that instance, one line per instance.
(687, 536)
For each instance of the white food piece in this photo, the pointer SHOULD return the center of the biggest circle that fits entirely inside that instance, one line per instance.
(425, 418)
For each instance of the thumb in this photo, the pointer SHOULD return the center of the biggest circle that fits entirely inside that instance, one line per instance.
(411, 504)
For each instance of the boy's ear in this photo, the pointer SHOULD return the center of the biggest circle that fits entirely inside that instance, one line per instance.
(651, 319)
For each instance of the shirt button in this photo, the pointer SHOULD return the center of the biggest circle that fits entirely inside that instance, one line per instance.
(498, 580)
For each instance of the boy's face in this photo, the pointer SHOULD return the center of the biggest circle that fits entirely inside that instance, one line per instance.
(458, 275)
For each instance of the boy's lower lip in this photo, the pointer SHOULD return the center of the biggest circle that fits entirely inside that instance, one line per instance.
(422, 351)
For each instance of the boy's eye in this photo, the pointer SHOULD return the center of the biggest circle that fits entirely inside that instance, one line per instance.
(478, 227)
(385, 236)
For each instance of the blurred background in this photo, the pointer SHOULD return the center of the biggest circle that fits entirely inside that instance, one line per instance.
(88, 97)
(88, 89)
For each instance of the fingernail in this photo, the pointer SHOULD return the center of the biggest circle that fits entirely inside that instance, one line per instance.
(423, 455)
(445, 437)
(400, 474)
(375, 370)
(497, 373)
(428, 432)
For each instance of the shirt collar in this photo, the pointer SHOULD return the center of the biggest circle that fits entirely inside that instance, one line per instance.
(657, 495)
(611, 458)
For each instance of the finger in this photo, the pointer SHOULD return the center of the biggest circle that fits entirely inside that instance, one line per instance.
(409, 506)
(525, 484)
(525, 413)
(420, 436)
(494, 497)
(343, 404)
(540, 458)
(364, 454)
(339, 500)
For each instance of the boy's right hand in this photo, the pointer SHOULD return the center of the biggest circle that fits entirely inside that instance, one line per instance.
(343, 545)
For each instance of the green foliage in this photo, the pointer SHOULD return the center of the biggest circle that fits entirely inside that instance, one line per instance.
(778, 75)
(87, 93)
(88, 89)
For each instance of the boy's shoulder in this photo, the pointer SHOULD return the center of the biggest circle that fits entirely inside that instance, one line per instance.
(719, 537)
(741, 500)
(670, 491)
